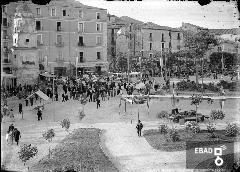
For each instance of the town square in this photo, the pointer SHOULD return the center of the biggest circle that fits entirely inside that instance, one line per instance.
(120, 86)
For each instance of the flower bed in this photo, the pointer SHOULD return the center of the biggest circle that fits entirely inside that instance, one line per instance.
(80, 151)
(159, 141)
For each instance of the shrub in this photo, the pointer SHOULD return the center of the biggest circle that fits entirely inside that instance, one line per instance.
(173, 135)
(65, 124)
(217, 114)
(163, 129)
(192, 126)
(211, 127)
(27, 152)
(49, 135)
(232, 130)
(162, 114)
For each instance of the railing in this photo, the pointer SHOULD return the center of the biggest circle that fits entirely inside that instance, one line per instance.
(39, 43)
(59, 44)
(178, 37)
(6, 24)
(81, 60)
(60, 60)
(80, 44)
(59, 28)
(6, 61)
(39, 28)
(163, 40)
(150, 38)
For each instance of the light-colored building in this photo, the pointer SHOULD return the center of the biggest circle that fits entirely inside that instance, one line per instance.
(59, 34)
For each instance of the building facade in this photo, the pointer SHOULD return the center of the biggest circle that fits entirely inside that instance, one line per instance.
(62, 35)
(144, 41)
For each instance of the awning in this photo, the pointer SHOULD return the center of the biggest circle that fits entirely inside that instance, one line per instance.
(40, 94)
(47, 75)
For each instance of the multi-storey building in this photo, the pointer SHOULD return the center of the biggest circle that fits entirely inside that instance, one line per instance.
(62, 35)
(148, 40)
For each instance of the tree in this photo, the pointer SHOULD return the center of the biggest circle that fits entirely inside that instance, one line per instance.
(48, 135)
(197, 44)
(27, 152)
(65, 124)
(196, 100)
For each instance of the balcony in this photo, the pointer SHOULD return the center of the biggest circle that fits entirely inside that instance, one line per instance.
(6, 61)
(150, 39)
(59, 28)
(178, 38)
(60, 60)
(6, 37)
(39, 43)
(39, 28)
(6, 50)
(80, 44)
(81, 60)
(59, 44)
(6, 25)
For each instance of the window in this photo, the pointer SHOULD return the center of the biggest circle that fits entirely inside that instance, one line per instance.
(219, 49)
(59, 26)
(80, 40)
(150, 46)
(98, 55)
(5, 22)
(5, 44)
(38, 25)
(150, 55)
(99, 41)
(15, 56)
(60, 55)
(162, 46)
(4, 8)
(80, 27)
(112, 51)
(39, 39)
(170, 45)
(4, 34)
(64, 13)
(170, 35)
(178, 36)
(98, 27)
(80, 14)
(163, 37)
(98, 15)
(150, 37)
(59, 38)
(130, 28)
(27, 40)
(80, 57)
(38, 11)
(178, 47)
(15, 40)
(53, 12)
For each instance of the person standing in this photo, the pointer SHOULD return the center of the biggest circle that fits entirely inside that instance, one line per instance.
(39, 114)
(17, 135)
(98, 102)
(139, 128)
(20, 108)
(11, 115)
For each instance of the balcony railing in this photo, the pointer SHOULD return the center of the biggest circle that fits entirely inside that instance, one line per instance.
(6, 61)
(150, 38)
(39, 43)
(163, 40)
(59, 44)
(80, 44)
(178, 38)
(6, 37)
(6, 49)
(6, 24)
(81, 60)
(39, 28)
(60, 60)
(59, 28)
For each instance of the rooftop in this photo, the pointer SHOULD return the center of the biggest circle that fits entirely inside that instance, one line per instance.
(233, 31)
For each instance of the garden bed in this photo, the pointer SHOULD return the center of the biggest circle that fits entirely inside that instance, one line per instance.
(159, 141)
(80, 151)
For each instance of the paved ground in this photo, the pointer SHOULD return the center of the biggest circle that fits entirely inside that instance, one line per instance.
(120, 140)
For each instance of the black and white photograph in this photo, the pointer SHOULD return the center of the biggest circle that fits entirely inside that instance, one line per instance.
(120, 86)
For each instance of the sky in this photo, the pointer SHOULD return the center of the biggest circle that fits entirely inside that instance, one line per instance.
(216, 15)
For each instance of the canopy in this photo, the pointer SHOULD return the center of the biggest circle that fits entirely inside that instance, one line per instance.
(140, 86)
(40, 94)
